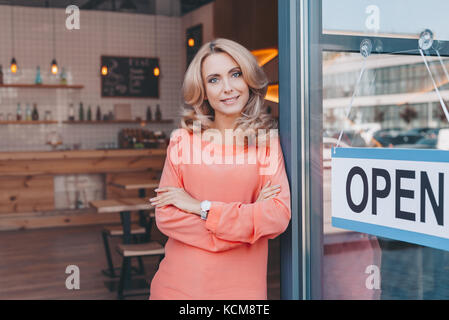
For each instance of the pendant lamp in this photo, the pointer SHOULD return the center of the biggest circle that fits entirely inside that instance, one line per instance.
(13, 66)
(104, 68)
(54, 64)
(156, 70)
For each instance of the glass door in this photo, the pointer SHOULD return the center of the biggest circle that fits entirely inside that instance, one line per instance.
(395, 107)
(375, 80)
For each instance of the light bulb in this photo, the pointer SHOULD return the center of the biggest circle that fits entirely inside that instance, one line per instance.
(13, 65)
(54, 67)
(104, 70)
(156, 72)
(191, 42)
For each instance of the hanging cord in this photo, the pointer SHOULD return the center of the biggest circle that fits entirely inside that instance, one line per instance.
(426, 42)
(362, 71)
(443, 105)
(12, 29)
(54, 34)
(447, 76)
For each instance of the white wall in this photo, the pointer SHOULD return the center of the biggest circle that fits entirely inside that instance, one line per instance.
(79, 51)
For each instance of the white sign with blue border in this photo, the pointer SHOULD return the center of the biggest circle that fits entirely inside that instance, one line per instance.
(400, 194)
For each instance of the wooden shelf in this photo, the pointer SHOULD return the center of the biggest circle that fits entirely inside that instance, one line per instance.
(25, 122)
(42, 86)
(118, 121)
(78, 155)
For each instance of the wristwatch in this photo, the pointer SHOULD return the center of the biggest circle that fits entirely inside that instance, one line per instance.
(205, 207)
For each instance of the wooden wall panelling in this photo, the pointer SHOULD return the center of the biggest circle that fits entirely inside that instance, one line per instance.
(26, 193)
(64, 218)
(252, 23)
(223, 19)
(72, 166)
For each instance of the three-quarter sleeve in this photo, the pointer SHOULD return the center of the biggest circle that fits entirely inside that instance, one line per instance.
(178, 224)
(237, 221)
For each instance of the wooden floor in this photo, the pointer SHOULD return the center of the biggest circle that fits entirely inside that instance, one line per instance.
(33, 264)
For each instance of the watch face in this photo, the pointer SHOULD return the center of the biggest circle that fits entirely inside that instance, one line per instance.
(205, 205)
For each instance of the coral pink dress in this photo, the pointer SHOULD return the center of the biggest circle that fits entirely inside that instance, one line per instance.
(224, 257)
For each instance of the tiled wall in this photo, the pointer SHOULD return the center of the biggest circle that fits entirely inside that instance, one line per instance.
(79, 51)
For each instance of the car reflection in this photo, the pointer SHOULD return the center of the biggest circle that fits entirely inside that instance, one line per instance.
(416, 138)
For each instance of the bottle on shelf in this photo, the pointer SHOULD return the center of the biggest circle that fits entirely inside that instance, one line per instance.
(63, 77)
(38, 79)
(71, 112)
(158, 113)
(81, 112)
(35, 114)
(18, 113)
(28, 112)
(47, 116)
(149, 115)
(98, 117)
(89, 114)
(1, 74)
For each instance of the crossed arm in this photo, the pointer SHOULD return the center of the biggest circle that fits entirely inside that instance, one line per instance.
(228, 224)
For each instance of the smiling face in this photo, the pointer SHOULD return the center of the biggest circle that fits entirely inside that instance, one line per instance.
(226, 90)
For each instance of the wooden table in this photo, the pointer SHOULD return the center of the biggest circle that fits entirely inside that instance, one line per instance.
(125, 206)
(136, 184)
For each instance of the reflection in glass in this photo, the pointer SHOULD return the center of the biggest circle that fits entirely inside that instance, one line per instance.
(395, 107)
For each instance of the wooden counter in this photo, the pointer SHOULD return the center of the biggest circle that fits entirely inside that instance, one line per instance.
(27, 178)
(79, 161)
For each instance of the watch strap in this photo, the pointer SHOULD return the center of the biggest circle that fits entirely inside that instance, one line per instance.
(205, 207)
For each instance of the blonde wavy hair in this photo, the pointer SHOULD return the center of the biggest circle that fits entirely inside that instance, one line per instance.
(197, 108)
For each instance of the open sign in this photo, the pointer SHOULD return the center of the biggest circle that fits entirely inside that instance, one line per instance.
(395, 193)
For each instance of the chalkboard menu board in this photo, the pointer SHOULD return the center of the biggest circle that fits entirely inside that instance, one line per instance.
(130, 77)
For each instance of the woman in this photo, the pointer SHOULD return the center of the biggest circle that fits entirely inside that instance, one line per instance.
(219, 214)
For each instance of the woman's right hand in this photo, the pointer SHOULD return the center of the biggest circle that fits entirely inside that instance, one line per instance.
(268, 191)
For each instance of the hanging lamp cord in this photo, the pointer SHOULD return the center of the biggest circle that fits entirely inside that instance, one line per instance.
(12, 28)
(54, 35)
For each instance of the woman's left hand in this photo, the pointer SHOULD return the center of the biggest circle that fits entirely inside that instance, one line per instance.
(177, 197)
